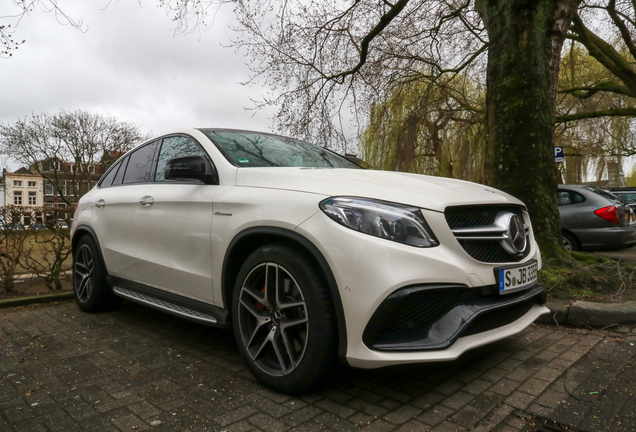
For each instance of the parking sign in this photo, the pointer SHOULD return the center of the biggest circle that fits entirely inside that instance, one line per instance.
(558, 154)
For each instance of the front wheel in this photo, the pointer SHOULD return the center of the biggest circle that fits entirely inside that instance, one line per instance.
(283, 319)
(92, 292)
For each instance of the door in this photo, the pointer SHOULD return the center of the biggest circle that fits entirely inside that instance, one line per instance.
(115, 208)
(173, 225)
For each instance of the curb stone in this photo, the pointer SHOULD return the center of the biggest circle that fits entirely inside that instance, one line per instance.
(23, 301)
(589, 314)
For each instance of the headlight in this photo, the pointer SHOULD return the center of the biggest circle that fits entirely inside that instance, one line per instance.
(387, 220)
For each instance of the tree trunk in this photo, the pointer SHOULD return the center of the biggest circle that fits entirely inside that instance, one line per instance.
(526, 37)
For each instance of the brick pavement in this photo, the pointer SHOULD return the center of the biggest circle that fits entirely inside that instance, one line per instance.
(137, 369)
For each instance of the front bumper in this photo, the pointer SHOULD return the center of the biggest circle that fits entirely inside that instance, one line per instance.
(368, 270)
(370, 359)
(426, 317)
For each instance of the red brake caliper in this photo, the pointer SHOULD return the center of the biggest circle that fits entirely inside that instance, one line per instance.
(259, 305)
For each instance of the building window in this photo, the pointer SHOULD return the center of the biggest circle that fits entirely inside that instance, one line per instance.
(17, 183)
(33, 184)
(48, 187)
(27, 220)
(33, 198)
(50, 204)
(17, 198)
(54, 165)
(91, 169)
(75, 188)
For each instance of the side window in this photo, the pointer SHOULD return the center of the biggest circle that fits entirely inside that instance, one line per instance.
(105, 182)
(576, 197)
(139, 164)
(120, 172)
(176, 146)
(566, 197)
(563, 198)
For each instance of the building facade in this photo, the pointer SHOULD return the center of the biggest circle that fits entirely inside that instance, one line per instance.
(25, 190)
(64, 183)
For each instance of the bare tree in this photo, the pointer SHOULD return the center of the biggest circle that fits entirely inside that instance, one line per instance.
(65, 148)
(20, 9)
(319, 56)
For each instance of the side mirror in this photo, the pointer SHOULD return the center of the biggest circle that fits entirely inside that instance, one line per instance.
(191, 168)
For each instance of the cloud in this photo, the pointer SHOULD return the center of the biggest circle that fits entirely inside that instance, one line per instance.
(128, 63)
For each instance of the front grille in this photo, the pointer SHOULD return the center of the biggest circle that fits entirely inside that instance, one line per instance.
(481, 216)
(498, 318)
(486, 251)
(474, 216)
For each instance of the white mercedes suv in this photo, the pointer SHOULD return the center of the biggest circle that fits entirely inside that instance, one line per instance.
(306, 256)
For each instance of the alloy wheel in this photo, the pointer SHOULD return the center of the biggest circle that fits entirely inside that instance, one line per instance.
(273, 319)
(83, 274)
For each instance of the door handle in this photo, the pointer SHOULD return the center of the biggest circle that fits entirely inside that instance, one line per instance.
(146, 201)
(101, 203)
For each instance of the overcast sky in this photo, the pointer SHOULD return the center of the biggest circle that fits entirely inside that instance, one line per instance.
(128, 64)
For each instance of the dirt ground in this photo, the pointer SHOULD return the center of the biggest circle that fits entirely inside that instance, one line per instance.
(627, 255)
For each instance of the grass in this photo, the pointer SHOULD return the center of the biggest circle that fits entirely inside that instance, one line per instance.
(579, 275)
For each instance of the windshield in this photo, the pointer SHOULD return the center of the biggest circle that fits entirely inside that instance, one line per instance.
(253, 149)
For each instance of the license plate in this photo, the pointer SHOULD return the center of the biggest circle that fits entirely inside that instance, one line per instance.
(510, 279)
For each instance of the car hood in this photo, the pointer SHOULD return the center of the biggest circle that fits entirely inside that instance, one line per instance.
(428, 192)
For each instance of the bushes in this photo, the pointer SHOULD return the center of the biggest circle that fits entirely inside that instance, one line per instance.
(42, 252)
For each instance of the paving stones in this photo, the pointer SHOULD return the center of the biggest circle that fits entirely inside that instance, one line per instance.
(138, 369)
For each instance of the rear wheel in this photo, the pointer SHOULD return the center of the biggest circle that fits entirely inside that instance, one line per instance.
(92, 292)
(283, 319)
(570, 242)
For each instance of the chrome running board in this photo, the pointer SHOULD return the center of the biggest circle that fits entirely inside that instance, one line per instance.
(165, 306)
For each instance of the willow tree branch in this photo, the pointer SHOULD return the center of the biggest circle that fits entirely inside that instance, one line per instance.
(617, 112)
(584, 92)
(604, 52)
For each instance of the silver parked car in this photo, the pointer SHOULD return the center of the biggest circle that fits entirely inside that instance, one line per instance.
(594, 219)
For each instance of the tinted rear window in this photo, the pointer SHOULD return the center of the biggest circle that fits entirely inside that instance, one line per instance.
(139, 165)
(109, 176)
(608, 196)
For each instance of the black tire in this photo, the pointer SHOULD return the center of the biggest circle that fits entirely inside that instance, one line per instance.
(92, 292)
(287, 335)
(570, 242)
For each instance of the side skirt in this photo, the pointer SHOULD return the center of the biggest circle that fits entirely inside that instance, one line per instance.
(173, 304)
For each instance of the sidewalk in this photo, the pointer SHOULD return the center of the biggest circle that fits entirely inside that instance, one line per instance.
(140, 369)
